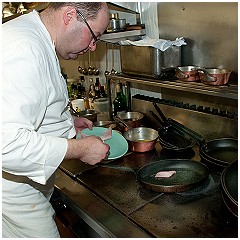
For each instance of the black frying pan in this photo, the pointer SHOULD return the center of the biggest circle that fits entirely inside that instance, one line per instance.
(171, 138)
(189, 174)
(229, 184)
(218, 153)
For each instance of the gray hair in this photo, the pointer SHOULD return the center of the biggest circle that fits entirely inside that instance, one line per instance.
(88, 9)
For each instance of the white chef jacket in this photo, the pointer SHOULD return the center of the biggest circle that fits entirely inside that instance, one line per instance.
(35, 125)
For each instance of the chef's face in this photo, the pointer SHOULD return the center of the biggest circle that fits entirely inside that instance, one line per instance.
(78, 37)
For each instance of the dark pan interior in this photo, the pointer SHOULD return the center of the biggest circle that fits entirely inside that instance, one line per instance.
(189, 174)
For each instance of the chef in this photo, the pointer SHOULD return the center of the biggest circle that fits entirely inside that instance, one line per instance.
(37, 128)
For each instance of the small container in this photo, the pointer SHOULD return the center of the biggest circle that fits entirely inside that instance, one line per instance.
(89, 114)
(188, 73)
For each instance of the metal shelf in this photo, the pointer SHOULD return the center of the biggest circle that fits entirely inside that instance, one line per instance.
(118, 36)
(227, 91)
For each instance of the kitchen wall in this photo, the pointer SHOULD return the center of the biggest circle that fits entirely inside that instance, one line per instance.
(210, 30)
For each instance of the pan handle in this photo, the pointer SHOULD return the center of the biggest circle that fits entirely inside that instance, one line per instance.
(116, 167)
(118, 120)
(178, 126)
(159, 111)
(157, 118)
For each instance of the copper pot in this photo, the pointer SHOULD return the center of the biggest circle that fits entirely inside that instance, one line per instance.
(127, 120)
(141, 139)
(188, 73)
(214, 76)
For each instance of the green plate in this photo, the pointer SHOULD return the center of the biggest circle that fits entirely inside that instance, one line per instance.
(118, 144)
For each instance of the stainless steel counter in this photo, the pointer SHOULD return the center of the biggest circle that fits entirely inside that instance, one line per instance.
(114, 204)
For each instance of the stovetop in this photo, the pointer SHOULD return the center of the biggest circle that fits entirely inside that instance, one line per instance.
(199, 212)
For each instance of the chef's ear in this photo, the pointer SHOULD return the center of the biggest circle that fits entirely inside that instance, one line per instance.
(69, 14)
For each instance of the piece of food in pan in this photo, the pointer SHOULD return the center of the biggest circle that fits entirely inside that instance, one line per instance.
(165, 174)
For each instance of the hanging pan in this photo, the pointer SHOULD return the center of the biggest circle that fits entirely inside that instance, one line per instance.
(186, 174)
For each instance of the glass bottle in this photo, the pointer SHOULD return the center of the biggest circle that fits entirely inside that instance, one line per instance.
(120, 102)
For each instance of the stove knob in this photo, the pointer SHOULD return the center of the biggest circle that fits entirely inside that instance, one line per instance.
(207, 110)
(186, 106)
(223, 113)
(179, 104)
(193, 107)
(215, 111)
(200, 108)
(230, 114)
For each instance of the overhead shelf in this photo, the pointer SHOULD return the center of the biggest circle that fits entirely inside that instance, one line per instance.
(226, 91)
(119, 36)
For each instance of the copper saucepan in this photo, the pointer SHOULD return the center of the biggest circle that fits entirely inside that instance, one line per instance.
(126, 120)
(141, 139)
(188, 73)
(214, 76)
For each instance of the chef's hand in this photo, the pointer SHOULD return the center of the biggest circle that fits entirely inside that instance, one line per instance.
(91, 150)
(81, 123)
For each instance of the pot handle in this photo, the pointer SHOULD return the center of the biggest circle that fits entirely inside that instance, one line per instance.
(179, 127)
(157, 118)
(118, 120)
(209, 78)
(116, 167)
(180, 74)
(160, 112)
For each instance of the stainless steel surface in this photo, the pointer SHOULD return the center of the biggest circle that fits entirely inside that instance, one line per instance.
(103, 195)
(228, 92)
(207, 27)
(208, 125)
(99, 215)
(148, 61)
(119, 36)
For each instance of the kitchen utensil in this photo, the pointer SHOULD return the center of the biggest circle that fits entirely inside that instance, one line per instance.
(113, 71)
(105, 124)
(78, 105)
(122, 24)
(214, 76)
(188, 73)
(219, 152)
(118, 144)
(148, 61)
(229, 186)
(84, 70)
(133, 119)
(172, 139)
(96, 71)
(89, 114)
(101, 105)
(141, 139)
(106, 73)
(189, 174)
(90, 68)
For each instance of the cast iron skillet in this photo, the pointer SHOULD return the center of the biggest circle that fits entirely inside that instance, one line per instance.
(189, 174)
(229, 184)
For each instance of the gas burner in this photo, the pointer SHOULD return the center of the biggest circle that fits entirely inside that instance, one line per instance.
(171, 154)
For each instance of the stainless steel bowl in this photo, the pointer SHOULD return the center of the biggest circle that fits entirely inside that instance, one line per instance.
(89, 114)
